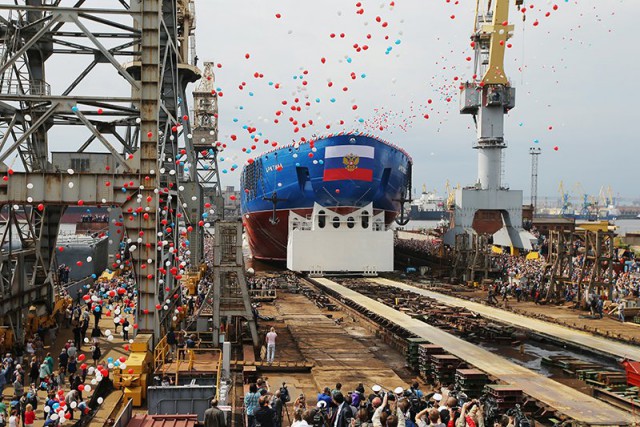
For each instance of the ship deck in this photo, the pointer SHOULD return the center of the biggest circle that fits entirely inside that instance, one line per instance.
(568, 401)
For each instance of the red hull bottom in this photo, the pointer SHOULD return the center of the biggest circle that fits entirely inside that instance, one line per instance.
(268, 241)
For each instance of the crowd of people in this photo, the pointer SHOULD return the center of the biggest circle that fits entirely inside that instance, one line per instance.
(371, 407)
(429, 246)
(522, 278)
(94, 218)
(36, 376)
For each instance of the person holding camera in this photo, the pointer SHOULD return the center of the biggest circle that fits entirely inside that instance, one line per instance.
(277, 406)
(471, 415)
(300, 403)
(264, 415)
(379, 407)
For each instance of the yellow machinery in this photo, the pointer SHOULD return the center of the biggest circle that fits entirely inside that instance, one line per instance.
(39, 316)
(192, 279)
(134, 378)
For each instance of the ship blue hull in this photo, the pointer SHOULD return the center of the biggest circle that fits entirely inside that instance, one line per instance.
(296, 177)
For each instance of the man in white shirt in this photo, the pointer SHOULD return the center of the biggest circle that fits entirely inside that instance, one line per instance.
(271, 345)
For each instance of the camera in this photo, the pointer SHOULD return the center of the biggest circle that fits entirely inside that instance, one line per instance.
(520, 419)
(319, 414)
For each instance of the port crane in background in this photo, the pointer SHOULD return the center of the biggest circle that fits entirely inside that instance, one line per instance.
(565, 200)
(488, 98)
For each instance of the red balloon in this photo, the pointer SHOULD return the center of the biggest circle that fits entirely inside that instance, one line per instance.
(81, 357)
(81, 387)
(556, 148)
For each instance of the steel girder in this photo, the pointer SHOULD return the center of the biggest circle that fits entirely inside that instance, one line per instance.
(135, 129)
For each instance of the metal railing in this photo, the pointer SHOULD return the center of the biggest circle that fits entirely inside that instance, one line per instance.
(33, 87)
(162, 349)
(125, 416)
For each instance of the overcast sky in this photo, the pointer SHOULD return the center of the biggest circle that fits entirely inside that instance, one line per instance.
(574, 73)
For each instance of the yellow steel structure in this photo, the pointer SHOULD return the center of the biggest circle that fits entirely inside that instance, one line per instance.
(134, 379)
(38, 314)
(497, 30)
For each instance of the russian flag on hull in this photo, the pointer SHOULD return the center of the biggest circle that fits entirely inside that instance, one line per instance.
(348, 162)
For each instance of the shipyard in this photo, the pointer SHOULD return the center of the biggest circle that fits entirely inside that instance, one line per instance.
(318, 214)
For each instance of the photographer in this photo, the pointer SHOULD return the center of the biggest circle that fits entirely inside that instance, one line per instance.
(471, 415)
(264, 415)
(276, 405)
(450, 413)
(379, 406)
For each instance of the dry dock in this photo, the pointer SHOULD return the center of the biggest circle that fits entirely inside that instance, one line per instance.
(578, 338)
(572, 403)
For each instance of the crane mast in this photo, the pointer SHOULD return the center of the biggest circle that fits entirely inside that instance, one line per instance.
(489, 207)
(489, 96)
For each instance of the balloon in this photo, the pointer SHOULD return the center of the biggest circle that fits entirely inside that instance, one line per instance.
(81, 357)
(100, 400)
(87, 388)
(81, 387)
(46, 409)
(54, 417)
(74, 404)
(556, 148)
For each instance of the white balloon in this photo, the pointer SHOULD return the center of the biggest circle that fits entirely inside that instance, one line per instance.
(46, 409)
(90, 370)
(123, 366)
(54, 417)
(110, 337)
(73, 404)
(110, 365)
(100, 400)
(87, 388)
(63, 420)
(107, 332)
(86, 339)
(94, 381)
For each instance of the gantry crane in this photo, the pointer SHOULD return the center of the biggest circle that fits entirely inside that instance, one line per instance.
(565, 200)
